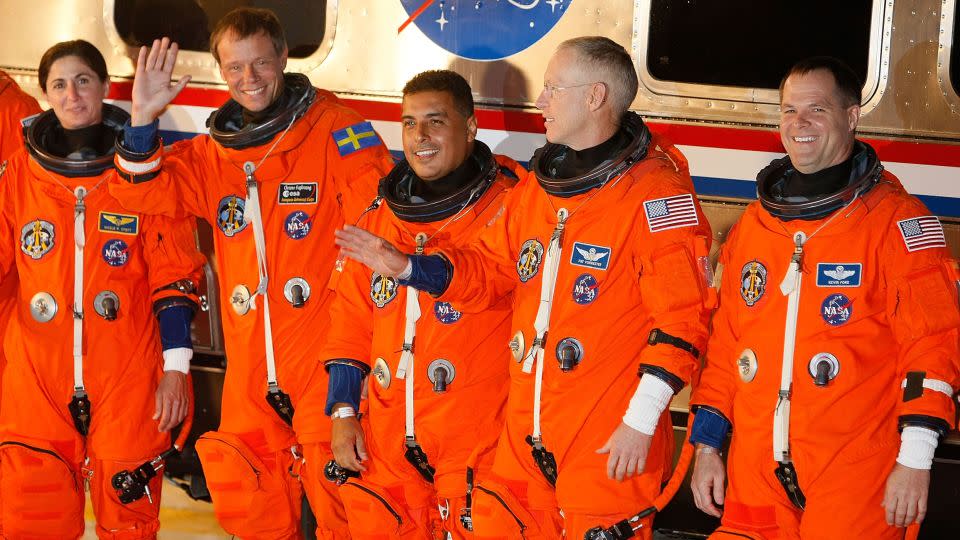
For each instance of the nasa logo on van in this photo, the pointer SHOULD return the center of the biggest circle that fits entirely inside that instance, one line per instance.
(484, 30)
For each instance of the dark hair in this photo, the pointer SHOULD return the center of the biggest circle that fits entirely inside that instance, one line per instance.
(245, 22)
(612, 64)
(84, 50)
(444, 80)
(848, 83)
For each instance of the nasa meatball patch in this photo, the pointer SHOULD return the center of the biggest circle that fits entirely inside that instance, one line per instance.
(836, 309)
(585, 289)
(115, 252)
(297, 225)
(446, 313)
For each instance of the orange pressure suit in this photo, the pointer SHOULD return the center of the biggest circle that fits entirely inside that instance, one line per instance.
(254, 463)
(137, 260)
(633, 249)
(15, 105)
(392, 499)
(877, 303)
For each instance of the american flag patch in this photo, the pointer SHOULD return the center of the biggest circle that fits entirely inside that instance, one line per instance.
(922, 233)
(671, 212)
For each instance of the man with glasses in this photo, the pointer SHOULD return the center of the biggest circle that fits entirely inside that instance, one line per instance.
(603, 248)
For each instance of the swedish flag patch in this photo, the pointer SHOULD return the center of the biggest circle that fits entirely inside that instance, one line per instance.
(355, 137)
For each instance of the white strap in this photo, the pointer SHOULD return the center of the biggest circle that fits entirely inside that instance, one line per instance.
(548, 284)
(412, 315)
(541, 325)
(790, 287)
(936, 385)
(253, 216)
(80, 240)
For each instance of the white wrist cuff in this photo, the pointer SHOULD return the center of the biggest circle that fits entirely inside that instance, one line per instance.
(407, 270)
(177, 359)
(917, 445)
(343, 412)
(647, 404)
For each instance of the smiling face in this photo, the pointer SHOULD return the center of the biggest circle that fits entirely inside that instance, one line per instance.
(565, 101)
(75, 93)
(252, 69)
(436, 137)
(816, 126)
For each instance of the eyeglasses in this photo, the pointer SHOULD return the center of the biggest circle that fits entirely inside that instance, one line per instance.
(551, 90)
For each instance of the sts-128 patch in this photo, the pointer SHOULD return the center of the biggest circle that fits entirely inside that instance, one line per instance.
(446, 313)
(753, 282)
(297, 193)
(383, 289)
(36, 238)
(115, 252)
(230, 215)
(297, 225)
(529, 259)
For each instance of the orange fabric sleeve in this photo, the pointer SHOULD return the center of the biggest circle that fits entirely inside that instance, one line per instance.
(485, 271)
(922, 304)
(675, 280)
(170, 250)
(716, 385)
(177, 191)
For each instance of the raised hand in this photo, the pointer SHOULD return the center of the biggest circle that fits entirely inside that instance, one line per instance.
(152, 86)
(375, 252)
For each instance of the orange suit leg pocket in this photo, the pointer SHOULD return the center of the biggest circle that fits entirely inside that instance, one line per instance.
(40, 493)
(374, 514)
(254, 497)
(498, 514)
(115, 520)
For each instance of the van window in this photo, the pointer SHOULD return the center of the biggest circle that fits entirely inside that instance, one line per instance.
(752, 43)
(189, 22)
(955, 51)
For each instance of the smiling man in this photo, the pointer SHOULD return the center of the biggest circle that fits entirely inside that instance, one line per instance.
(270, 179)
(414, 445)
(822, 382)
(602, 248)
